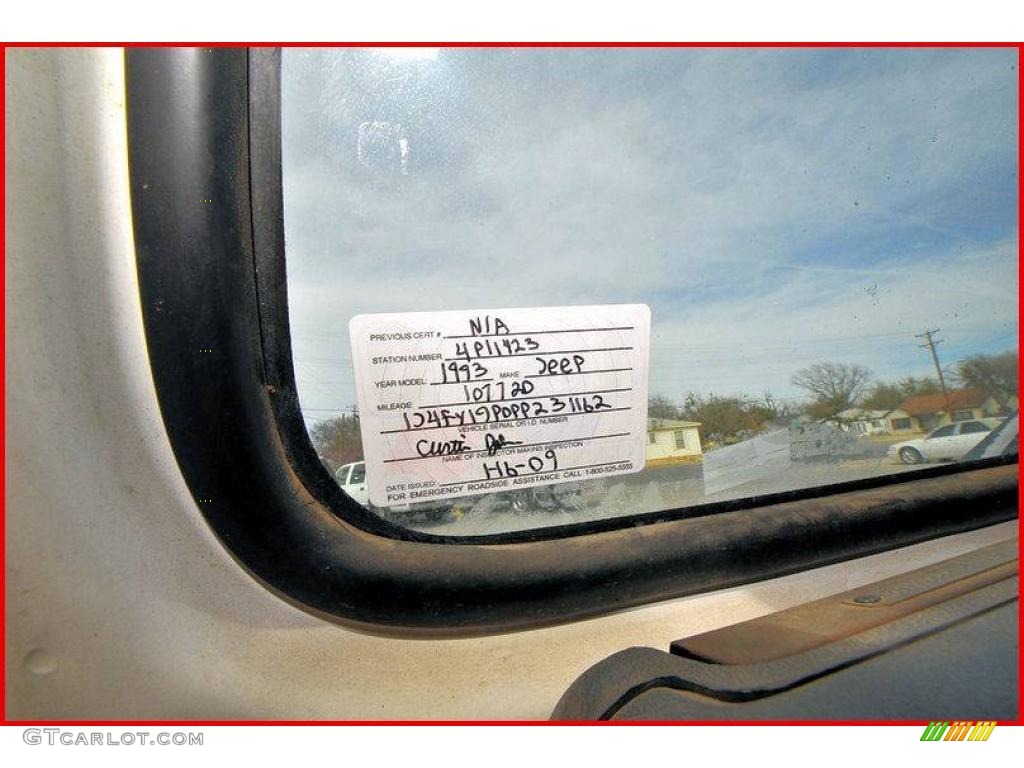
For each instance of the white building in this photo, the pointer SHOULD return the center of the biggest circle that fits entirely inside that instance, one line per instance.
(672, 442)
(863, 422)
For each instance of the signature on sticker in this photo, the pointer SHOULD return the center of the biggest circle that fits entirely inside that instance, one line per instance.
(495, 444)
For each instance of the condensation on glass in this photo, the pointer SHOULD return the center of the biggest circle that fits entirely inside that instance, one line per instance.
(827, 240)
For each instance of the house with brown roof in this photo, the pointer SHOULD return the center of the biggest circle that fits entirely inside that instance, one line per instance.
(923, 413)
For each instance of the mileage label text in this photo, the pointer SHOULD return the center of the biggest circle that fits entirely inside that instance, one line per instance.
(470, 402)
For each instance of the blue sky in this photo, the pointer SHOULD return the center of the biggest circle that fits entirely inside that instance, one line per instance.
(775, 208)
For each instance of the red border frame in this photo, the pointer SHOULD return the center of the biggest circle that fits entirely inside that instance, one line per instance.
(512, 44)
(3, 336)
(3, 385)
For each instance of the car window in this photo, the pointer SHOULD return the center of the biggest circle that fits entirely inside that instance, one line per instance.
(358, 474)
(943, 431)
(826, 240)
(969, 427)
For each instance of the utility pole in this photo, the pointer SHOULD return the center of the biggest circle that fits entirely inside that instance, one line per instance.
(931, 344)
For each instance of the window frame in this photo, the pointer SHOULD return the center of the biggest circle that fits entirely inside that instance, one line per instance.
(204, 125)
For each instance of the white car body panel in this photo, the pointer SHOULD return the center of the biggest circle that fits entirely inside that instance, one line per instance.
(354, 489)
(948, 447)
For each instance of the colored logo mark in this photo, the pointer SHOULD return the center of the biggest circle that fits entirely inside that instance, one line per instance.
(960, 730)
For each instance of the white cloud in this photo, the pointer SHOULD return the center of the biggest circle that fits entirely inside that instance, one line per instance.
(774, 207)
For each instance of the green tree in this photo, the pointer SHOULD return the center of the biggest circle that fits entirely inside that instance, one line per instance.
(727, 418)
(883, 397)
(996, 375)
(925, 385)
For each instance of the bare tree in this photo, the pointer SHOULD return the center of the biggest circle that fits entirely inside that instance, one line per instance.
(834, 386)
(660, 407)
(338, 439)
(777, 409)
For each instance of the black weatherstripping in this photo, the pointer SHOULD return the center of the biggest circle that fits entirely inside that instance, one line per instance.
(204, 142)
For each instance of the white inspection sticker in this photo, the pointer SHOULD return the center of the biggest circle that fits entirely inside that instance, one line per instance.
(471, 402)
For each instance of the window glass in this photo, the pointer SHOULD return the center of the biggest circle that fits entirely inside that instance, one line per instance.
(358, 473)
(973, 426)
(807, 226)
(944, 431)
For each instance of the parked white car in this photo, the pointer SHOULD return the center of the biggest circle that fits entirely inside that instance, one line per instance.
(948, 442)
(352, 479)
